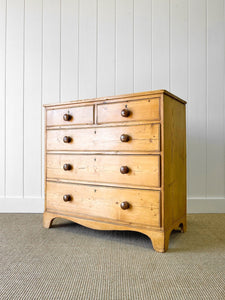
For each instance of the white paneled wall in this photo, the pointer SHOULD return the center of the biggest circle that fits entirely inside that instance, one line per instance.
(61, 50)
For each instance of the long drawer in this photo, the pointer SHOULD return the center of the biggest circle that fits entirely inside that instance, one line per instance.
(135, 170)
(142, 206)
(130, 138)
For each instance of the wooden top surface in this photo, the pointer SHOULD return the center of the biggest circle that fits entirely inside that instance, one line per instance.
(124, 96)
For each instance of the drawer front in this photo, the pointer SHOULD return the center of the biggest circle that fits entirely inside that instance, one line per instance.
(142, 110)
(140, 138)
(70, 116)
(105, 202)
(134, 170)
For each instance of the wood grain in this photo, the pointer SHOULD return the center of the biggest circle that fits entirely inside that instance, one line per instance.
(119, 175)
(79, 115)
(174, 161)
(92, 201)
(142, 138)
(159, 238)
(145, 110)
(144, 170)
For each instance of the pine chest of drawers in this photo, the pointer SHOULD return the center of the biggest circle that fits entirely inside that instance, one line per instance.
(118, 163)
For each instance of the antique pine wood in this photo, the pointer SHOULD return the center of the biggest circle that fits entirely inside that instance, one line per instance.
(141, 138)
(118, 163)
(144, 170)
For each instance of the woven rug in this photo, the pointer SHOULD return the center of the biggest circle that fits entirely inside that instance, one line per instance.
(69, 261)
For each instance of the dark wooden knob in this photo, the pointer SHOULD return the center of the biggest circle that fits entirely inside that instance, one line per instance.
(67, 167)
(124, 205)
(124, 138)
(67, 139)
(125, 112)
(67, 117)
(124, 169)
(67, 198)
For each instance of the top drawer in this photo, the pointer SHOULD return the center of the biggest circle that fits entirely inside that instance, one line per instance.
(78, 115)
(142, 110)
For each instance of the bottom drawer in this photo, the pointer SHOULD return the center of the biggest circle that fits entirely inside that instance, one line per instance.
(140, 206)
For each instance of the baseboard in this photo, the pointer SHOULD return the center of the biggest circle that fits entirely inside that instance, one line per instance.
(36, 205)
(208, 205)
(21, 205)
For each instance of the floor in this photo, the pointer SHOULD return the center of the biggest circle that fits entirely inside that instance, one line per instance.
(69, 261)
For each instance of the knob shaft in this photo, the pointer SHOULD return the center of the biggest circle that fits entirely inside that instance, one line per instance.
(67, 167)
(125, 113)
(124, 205)
(124, 138)
(67, 139)
(67, 117)
(124, 169)
(67, 198)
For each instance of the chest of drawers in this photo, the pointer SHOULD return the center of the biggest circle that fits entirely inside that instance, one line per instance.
(118, 163)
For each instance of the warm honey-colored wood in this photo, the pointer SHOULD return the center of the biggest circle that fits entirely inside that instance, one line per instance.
(104, 202)
(117, 98)
(174, 161)
(71, 116)
(142, 110)
(144, 170)
(142, 138)
(123, 168)
(159, 238)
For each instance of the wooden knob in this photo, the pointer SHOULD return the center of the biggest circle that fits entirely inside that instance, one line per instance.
(67, 167)
(125, 113)
(67, 139)
(67, 117)
(124, 138)
(124, 169)
(124, 205)
(67, 198)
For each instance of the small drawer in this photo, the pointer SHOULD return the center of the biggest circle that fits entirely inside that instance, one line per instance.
(119, 204)
(123, 170)
(130, 138)
(79, 115)
(142, 110)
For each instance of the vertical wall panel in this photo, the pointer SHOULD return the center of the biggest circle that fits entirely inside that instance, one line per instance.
(87, 48)
(2, 94)
(160, 44)
(14, 98)
(179, 47)
(69, 50)
(124, 47)
(197, 99)
(60, 50)
(51, 51)
(106, 48)
(142, 45)
(215, 93)
(32, 98)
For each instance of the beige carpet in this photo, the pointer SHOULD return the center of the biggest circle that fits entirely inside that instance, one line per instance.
(69, 261)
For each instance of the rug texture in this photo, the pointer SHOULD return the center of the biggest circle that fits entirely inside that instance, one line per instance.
(69, 261)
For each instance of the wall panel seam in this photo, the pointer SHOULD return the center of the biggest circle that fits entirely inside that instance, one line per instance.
(170, 46)
(206, 108)
(188, 90)
(151, 58)
(224, 88)
(5, 55)
(42, 135)
(115, 59)
(133, 46)
(23, 102)
(60, 51)
(78, 48)
(96, 87)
